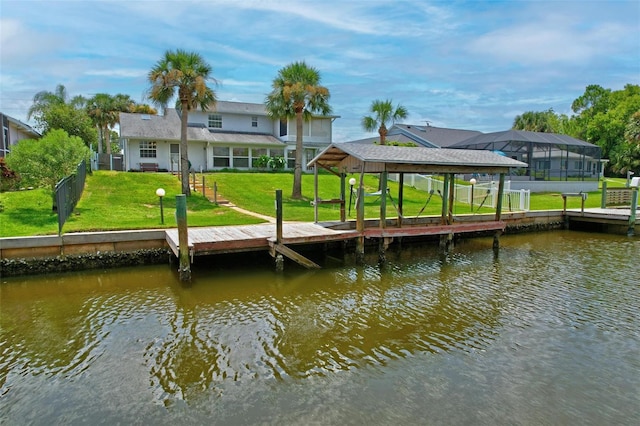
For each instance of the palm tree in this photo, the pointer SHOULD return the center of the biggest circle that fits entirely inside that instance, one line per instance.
(45, 99)
(189, 73)
(297, 93)
(384, 113)
(104, 110)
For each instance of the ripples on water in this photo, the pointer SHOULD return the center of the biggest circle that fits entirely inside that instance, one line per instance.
(546, 330)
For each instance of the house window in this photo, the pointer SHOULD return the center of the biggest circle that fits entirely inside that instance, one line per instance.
(221, 157)
(543, 164)
(215, 121)
(283, 127)
(276, 152)
(241, 157)
(148, 149)
(254, 121)
(291, 159)
(578, 165)
(257, 153)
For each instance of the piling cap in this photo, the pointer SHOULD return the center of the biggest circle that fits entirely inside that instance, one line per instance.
(635, 182)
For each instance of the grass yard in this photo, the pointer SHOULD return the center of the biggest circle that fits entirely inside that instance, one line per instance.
(118, 201)
(112, 201)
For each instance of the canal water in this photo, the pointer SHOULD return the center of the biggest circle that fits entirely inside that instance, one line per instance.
(546, 331)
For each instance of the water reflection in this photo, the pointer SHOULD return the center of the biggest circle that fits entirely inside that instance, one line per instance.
(142, 332)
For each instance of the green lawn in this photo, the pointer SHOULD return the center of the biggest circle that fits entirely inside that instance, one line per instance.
(112, 201)
(116, 201)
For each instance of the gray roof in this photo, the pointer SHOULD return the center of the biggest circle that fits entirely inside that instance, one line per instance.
(439, 136)
(486, 139)
(454, 159)
(167, 127)
(427, 136)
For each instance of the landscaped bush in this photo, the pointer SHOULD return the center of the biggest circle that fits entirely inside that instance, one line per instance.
(10, 179)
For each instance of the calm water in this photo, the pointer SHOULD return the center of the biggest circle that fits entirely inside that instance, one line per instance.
(546, 332)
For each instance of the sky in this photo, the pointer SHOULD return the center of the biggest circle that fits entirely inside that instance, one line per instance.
(458, 64)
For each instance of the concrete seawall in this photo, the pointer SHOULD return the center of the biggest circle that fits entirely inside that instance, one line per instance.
(90, 250)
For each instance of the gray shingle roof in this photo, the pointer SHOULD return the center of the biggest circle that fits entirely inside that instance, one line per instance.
(167, 127)
(428, 136)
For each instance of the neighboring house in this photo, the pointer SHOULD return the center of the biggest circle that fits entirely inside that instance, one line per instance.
(427, 136)
(13, 131)
(231, 135)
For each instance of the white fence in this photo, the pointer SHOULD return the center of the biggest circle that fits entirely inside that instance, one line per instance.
(483, 194)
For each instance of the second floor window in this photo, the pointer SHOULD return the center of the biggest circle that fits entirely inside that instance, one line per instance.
(254, 121)
(215, 121)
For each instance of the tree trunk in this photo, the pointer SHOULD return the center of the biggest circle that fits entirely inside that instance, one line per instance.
(107, 139)
(184, 156)
(100, 140)
(297, 171)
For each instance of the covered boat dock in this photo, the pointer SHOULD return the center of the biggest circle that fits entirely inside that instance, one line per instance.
(359, 159)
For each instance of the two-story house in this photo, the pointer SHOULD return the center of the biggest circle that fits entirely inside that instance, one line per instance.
(231, 135)
(13, 131)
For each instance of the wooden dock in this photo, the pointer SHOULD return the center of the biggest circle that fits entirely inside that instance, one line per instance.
(608, 215)
(231, 239)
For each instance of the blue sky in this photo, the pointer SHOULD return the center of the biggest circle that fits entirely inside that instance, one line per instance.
(457, 64)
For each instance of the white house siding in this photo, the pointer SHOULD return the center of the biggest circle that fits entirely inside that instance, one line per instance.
(233, 122)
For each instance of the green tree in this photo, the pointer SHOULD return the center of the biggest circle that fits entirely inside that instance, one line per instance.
(538, 121)
(626, 156)
(189, 73)
(383, 114)
(296, 92)
(602, 115)
(104, 111)
(42, 163)
(54, 110)
(74, 121)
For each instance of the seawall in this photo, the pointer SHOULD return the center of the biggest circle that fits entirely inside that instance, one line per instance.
(91, 250)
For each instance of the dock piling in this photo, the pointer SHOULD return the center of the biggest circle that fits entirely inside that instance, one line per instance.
(183, 238)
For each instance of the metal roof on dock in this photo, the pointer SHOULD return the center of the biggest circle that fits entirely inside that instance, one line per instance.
(377, 158)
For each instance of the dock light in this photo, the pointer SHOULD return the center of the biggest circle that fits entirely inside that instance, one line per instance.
(472, 181)
(352, 182)
(160, 193)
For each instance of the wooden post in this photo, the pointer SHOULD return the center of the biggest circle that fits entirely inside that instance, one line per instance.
(183, 238)
(383, 200)
(452, 199)
(204, 194)
(360, 221)
(343, 198)
(279, 258)
(215, 193)
(445, 199)
(603, 199)
(278, 216)
(315, 194)
(400, 196)
(496, 237)
(632, 216)
(194, 181)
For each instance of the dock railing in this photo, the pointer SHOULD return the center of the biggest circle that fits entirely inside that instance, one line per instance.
(485, 194)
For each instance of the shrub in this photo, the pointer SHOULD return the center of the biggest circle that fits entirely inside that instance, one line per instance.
(10, 179)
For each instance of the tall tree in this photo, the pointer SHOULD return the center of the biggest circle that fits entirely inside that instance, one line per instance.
(54, 110)
(189, 73)
(296, 92)
(537, 121)
(626, 156)
(383, 114)
(104, 111)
